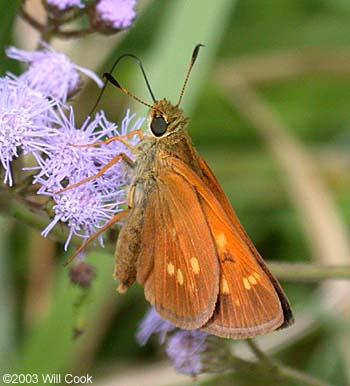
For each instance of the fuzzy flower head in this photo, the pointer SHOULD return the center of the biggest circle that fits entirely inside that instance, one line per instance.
(25, 118)
(84, 209)
(109, 15)
(67, 161)
(63, 5)
(66, 154)
(51, 73)
(153, 324)
(183, 347)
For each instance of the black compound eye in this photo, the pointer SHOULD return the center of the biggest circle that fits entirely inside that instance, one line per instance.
(158, 126)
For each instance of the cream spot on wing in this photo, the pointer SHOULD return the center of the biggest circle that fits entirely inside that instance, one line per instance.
(171, 269)
(252, 280)
(246, 283)
(224, 286)
(195, 265)
(173, 232)
(180, 277)
(221, 240)
(238, 303)
(256, 275)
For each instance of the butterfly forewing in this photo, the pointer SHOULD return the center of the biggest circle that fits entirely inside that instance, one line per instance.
(185, 275)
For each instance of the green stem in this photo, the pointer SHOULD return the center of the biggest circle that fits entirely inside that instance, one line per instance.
(21, 213)
(278, 372)
(72, 34)
(309, 272)
(284, 271)
(263, 358)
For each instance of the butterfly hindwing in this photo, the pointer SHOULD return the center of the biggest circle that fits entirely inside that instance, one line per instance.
(211, 182)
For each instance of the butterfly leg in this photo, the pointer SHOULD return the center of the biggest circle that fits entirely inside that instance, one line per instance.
(120, 138)
(117, 217)
(112, 162)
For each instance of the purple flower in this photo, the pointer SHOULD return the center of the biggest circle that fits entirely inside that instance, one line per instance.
(62, 161)
(88, 207)
(84, 209)
(50, 72)
(116, 13)
(63, 5)
(153, 324)
(25, 118)
(184, 349)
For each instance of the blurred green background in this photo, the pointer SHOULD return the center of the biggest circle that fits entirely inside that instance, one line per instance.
(277, 63)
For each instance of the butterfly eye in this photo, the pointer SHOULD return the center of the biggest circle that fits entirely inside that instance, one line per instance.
(158, 126)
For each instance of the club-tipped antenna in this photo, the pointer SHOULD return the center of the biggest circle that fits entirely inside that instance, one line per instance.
(109, 78)
(193, 60)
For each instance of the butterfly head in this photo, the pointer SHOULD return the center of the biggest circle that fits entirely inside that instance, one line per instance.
(165, 118)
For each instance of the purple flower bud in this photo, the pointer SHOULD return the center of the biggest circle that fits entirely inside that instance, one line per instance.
(50, 72)
(153, 324)
(63, 5)
(82, 274)
(25, 118)
(184, 349)
(113, 14)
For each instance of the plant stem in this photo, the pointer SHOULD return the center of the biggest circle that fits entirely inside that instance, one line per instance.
(71, 34)
(309, 272)
(30, 20)
(278, 372)
(20, 212)
(263, 358)
(284, 271)
(52, 28)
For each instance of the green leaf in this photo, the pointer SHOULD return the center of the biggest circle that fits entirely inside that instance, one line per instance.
(50, 346)
(7, 316)
(8, 11)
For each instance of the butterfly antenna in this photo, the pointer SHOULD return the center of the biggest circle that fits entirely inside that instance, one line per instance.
(109, 78)
(193, 60)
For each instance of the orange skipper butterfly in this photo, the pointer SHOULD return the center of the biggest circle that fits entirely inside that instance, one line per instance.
(182, 241)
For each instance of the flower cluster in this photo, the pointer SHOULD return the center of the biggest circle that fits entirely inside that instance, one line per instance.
(63, 5)
(66, 161)
(115, 13)
(51, 73)
(184, 347)
(25, 117)
(35, 119)
(106, 16)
